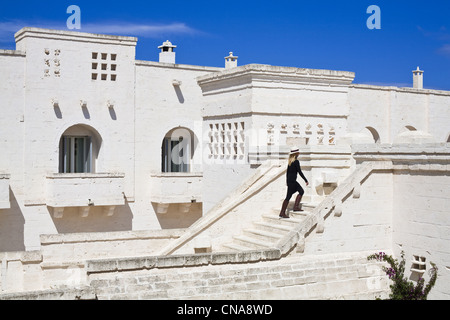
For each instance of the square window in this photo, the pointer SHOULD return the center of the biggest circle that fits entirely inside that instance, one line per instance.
(104, 66)
(94, 66)
(113, 77)
(94, 76)
(94, 55)
(113, 67)
(104, 76)
(113, 57)
(104, 56)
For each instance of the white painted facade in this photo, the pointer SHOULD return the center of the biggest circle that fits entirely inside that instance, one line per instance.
(88, 132)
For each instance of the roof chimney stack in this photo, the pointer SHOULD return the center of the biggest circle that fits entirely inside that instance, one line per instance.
(230, 61)
(418, 79)
(167, 55)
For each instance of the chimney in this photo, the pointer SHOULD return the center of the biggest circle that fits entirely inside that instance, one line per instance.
(417, 79)
(167, 55)
(230, 61)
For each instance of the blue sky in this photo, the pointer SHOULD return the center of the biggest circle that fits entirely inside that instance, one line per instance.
(307, 34)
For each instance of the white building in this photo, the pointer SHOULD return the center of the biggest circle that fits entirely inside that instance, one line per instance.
(145, 156)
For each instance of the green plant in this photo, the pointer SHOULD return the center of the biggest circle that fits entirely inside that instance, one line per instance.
(402, 288)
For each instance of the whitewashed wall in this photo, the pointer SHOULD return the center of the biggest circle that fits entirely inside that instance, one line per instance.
(365, 223)
(392, 111)
(421, 223)
(12, 73)
(160, 107)
(58, 67)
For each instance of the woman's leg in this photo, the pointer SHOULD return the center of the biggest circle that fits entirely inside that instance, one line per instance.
(297, 202)
(298, 198)
(283, 209)
(289, 194)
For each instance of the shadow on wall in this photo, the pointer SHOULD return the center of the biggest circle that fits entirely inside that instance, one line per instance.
(12, 227)
(179, 94)
(96, 221)
(175, 218)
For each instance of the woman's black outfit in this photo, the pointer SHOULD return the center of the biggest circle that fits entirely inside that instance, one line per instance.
(293, 187)
(291, 180)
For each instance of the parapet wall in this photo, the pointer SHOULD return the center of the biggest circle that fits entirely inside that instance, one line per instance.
(324, 277)
(343, 276)
(61, 260)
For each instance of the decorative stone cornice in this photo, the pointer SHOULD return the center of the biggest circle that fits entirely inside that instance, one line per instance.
(17, 53)
(429, 153)
(281, 75)
(400, 89)
(179, 261)
(74, 36)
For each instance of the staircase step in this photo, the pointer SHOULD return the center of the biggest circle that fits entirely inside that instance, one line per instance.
(275, 227)
(236, 247)
(309, 205)
(263, 235)
(253, 242)
(304, 206)
(276, 219)
(299, 214)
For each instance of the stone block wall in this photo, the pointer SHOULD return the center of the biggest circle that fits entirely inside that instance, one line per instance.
(61, 260)
(20, 271)
(422, 225)
(420, 201)
(364, 223)
(96, 245)
(344, 276)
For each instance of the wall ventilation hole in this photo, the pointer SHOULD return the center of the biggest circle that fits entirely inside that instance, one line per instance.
(418, 264)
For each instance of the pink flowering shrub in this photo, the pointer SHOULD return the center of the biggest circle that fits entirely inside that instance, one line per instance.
(401, 288)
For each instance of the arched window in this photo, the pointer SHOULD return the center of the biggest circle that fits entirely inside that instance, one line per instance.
(78, 149)
(177, 150)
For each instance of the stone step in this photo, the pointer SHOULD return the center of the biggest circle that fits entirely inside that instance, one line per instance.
(253, 243)
(309, 205)
(298, 214)
(305, 198)
(274, 227)
(304, 206)
(276, 219)
(263, 235)
(236, 247)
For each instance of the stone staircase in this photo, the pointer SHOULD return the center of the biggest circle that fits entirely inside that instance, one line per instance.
(269, 230)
